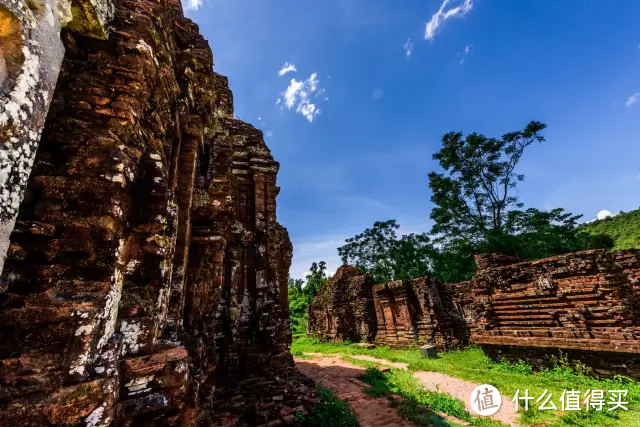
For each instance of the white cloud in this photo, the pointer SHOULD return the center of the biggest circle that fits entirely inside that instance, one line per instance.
(293, 92)
(192, 4)
(286, 68)
(442, 15)
(408, 48)
(298, 95)
(312, 82)
(632, 99)
(605, 213)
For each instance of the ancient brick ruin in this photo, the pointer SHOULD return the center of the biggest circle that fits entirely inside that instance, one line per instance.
(30, 55)
(418, 311)
(343, 309)
(146, 277)
(400, 313)
(584, 305)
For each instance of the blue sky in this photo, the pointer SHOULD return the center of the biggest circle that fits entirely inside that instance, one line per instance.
(376, 86)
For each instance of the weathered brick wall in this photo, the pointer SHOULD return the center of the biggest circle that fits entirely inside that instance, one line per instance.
(30, 55)
(343, 309)
(418, 311)
(586, 304)
(146, 276)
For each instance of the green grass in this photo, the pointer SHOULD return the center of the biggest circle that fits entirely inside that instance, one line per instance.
(473, 365)
(403, 383)
(330, 412)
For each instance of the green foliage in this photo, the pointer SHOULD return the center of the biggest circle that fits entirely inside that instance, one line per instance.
(529, 234)
(378, 252)
(454, 261)
(298, 302)
(473, 365)
(477, 208)
(331, 411)
(622, 230)
(535, 234)
(475, 194)
(316, 278)
(301, 294)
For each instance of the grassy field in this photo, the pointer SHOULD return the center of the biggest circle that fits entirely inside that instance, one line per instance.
(473, 365)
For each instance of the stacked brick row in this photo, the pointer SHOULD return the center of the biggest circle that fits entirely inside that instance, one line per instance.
(586, 304)
(344, 308)
(146, 279)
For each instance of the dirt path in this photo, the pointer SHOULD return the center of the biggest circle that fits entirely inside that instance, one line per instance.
(381, 361)
(342, 377)
(462, 389)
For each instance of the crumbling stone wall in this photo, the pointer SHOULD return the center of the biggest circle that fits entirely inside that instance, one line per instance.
(400, 313)
(343, 309)
(586, 304)
(30, 55)
(418, 311)
(146, 275)
(583, 305)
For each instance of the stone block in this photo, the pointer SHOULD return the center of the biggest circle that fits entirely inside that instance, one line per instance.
(429, 351)
(366, 345)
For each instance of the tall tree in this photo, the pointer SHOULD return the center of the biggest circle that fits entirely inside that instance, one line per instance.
(477, 209)
(475, 193)
(316, 278)
(378, 252)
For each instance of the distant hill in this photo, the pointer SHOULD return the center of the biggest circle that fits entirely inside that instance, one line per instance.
(623, 228)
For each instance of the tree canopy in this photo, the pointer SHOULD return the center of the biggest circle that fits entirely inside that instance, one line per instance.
(476, 210)
(476, 191)
(378, 252)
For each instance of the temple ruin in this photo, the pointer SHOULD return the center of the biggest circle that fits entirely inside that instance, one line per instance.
(344, 308)
(584, 306)
(145, 281)
(144, 272)
(418, 311)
